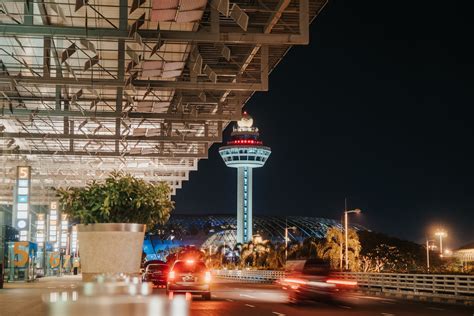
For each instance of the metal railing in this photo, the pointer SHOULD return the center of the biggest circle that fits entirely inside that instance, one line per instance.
(435, 285)
(251, 275)
(417, 284)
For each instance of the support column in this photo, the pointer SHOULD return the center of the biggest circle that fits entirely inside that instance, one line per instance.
(244, 205)
(240, 205)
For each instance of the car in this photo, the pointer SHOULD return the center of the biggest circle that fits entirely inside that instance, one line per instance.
(312, 280)
(189, 276)
(156, 274)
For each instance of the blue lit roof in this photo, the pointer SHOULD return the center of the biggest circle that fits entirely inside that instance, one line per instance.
(201, 230)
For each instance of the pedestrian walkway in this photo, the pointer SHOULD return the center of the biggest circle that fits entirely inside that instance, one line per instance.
(26, 298)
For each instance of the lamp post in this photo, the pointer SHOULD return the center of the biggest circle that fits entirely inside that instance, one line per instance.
(357, 211)
(428, 254)
(286, 240)
(441, 234)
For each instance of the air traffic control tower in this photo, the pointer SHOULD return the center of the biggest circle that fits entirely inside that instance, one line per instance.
(244, 151)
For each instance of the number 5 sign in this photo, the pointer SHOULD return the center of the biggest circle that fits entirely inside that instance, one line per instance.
(23, 172)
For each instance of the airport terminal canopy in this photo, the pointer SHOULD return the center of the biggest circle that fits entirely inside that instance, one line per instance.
(143, 86)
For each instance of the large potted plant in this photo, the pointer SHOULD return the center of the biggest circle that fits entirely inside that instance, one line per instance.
(113, 216)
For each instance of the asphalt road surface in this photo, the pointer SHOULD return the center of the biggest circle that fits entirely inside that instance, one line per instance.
(238, 299)
(229, 299)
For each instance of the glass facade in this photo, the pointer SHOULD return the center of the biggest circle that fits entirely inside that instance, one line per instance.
(206, 230)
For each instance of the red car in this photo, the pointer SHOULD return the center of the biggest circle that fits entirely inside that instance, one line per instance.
(312, 280)
(190, 276)
(157, 274)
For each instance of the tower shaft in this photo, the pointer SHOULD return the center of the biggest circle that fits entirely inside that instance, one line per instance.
(244, 204)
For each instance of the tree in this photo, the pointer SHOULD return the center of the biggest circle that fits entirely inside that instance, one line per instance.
(334, 248)
(312, 247)
(382, 253)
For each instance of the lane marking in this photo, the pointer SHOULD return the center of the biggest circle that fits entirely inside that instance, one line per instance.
(246, 295)
(248, 305)
(279, 314)
(436, 308)
(375, 298)
(228, 299)
(387, 302)
(346, 307)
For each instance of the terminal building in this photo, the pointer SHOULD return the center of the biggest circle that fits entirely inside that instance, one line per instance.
(465, 254)
(144, 87)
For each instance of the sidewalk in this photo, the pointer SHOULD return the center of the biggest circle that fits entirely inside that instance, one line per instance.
(25, 298)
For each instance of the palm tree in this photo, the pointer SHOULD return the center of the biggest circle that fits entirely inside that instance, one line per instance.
(246, 255)
(312, 247)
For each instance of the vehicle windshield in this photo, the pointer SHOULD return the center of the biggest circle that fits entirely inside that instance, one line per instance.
(189, 267)
(316, 267)
(156, 267)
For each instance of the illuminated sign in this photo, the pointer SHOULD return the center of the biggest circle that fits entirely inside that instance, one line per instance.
(64, 230)
(54, 260)
(53, 224)
(74, 239)
(20, 251)
(40, 229)
(22, 202)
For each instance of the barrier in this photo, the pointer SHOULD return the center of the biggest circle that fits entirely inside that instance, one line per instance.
(455, 286)
(258, 276)
(451, 288)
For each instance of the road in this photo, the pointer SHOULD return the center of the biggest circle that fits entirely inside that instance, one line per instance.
(229, 299)
(237, 299)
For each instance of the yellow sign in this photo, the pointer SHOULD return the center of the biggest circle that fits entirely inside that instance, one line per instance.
(54, 260)
(66, 262)
(20, 252)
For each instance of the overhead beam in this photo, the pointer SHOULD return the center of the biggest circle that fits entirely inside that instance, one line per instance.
(272, 21)
(102, 154)
(110, 137)
(85, 178)
(115, 83)
(151, 35)
(180, 117)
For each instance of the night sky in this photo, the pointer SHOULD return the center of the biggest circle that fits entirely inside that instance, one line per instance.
(376, 109)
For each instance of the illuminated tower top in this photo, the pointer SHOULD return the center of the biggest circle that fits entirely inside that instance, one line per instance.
(244, 148)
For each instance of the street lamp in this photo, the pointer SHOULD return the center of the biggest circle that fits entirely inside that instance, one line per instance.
(441, 234)
(428, 254)
(286, 240)
(357, 211)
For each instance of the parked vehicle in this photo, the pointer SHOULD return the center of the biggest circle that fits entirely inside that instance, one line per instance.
(311, 280)
(189, 276)
(157, 274)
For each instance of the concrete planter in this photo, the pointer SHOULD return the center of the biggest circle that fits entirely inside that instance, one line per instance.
(110, 248)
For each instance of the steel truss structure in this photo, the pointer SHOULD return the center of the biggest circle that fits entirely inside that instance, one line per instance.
(144, 86)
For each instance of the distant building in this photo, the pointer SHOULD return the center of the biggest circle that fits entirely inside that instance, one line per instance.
(204, 231)
(465, 254)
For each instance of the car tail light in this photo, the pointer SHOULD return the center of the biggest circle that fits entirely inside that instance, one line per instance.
(295, 281)
(171, 275)
(342, 282)
(207, 277)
